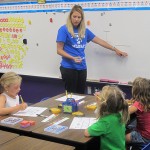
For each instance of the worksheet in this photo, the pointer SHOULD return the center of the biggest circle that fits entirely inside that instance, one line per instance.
(11, 120)
(82, 122)
(31, 111)
(57, 129)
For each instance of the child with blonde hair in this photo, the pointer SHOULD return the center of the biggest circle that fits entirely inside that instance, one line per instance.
(113, 115)
(140, 135)
(10, 84)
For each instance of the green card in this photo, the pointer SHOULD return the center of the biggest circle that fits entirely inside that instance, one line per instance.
(67, 109)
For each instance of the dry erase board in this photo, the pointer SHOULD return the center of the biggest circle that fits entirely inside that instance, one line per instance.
(126, 30)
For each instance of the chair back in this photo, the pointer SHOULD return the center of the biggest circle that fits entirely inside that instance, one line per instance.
(147, 147)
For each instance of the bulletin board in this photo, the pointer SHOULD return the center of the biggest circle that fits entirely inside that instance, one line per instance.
(28, 43)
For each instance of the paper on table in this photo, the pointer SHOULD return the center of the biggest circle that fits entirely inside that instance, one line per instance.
(57, 129)
(49, 118)
(76, 97)
(82, 122)
(31, 111)
(61, 120)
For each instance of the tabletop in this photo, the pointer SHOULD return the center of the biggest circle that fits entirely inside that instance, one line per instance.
(7, 136)
(73, 137)
(70, 136)
(29, 143)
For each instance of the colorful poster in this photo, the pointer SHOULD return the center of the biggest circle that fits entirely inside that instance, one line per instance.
(13, 47)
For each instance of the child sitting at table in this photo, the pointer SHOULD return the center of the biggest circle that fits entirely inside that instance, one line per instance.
(140, 135)
(10, 87)
(113, 114)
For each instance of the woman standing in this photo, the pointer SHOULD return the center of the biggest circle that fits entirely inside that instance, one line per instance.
(71, 42)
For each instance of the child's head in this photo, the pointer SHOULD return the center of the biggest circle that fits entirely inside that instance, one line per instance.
(10, 83)
(137, 87)
(113, 101)
(141, 91)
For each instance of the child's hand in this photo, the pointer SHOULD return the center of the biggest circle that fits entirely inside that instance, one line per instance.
(130, 102)
(97, 95)
(23, 106)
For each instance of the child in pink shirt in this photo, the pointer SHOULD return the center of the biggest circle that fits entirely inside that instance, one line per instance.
(141, 107)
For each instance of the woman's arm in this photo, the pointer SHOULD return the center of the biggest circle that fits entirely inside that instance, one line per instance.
(60, 51)
(108, 46)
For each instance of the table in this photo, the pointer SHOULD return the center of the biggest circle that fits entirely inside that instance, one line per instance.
(29, 143)
(73, 137)
(6, 136)
(17, 128)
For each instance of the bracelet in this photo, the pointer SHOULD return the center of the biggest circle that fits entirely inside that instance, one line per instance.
(113, 48)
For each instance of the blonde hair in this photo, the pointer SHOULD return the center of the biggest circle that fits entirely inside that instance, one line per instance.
(81, 27)
(141, 92)
(113, 101)
(7, 79)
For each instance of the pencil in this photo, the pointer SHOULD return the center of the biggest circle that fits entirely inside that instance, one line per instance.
(97, 97)
(21, 99)
(42, 115)
(66, 94)
(71, 95)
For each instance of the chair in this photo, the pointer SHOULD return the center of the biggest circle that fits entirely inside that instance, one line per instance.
(147, 147)
(136, 146)
(133, 146)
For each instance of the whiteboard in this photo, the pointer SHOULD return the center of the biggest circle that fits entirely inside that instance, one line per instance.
(126, 30)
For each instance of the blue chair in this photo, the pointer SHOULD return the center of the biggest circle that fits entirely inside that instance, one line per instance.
(147, 147)
(137, 146)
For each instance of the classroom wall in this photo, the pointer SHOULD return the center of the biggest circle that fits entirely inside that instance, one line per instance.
(122, 24)
(44, 84)
(34, 89)
(12, 1)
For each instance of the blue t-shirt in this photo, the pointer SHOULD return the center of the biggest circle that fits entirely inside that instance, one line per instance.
(74, 46)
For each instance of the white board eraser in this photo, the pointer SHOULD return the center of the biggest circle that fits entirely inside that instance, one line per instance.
(104, 80)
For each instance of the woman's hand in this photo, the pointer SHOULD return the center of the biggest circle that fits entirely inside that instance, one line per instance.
(77, 59)
(120, 53)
